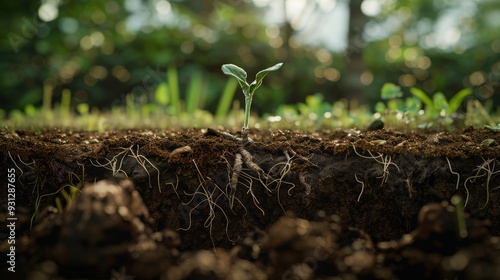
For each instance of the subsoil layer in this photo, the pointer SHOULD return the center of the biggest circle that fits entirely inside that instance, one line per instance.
(198, 204)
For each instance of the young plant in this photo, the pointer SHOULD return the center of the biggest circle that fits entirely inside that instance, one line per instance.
(405, 110)
(248, 89)
(440, 108)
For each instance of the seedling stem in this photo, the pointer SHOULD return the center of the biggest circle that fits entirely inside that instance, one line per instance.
(248, 89)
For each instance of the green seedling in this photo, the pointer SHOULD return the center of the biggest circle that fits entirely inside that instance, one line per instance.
(404, 109)
(390, 91)
(248, 89)
(440, 108)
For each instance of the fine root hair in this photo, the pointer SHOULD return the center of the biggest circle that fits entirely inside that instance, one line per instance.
(362, 186)
(142, 160)
(211, 193)
(385, 160)
(488, 170)
(453, 172)
(283, 169)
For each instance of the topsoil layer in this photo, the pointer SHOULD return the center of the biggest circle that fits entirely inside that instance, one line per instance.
(197, 204)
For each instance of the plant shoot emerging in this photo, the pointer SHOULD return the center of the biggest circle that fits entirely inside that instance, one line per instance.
(248, 89)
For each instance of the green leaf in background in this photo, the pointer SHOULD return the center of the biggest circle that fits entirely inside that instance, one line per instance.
(30, 110)
(260, 76)
(413, 104)
(440, 102)
(161, 95)
(194, 93)
(314, 102)
(380, 107)
(493, 127)
(227, 97)
(423, 96)
(238, 73)
(390, 91)
(83, 108)
(173, 87)
(457, 99)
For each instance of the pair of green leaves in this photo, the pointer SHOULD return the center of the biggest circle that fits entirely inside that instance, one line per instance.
(241, 75)
(439, 103)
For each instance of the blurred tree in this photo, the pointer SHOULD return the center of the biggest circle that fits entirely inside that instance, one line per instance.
(437, 46)
(102, 51)
(354, 53)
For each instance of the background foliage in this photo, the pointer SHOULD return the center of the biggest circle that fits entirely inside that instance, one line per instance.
(103, 50)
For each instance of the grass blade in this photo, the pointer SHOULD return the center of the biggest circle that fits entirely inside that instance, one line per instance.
(173, 84)
(194, 93)
(422, 96)
(227, 97)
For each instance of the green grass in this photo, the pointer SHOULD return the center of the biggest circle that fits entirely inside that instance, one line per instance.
(167, 110)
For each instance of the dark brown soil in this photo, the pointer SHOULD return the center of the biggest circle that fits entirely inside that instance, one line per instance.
(349, 204)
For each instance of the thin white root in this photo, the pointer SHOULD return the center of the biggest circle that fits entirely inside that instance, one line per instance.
(249, 183)
(115, 163)
(386, 161)
(28, 165)
(211, 198)
(295, 154)
(174, 187)
(487, 168)
(362, 186)
(453, 172)
(282, 173)
(142, 160)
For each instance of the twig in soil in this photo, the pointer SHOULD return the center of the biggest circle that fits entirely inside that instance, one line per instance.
(181, 150)
(453, 172)
(386, 161)
(362, 186)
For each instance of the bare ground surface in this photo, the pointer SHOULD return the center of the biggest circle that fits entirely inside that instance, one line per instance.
(195, 204)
